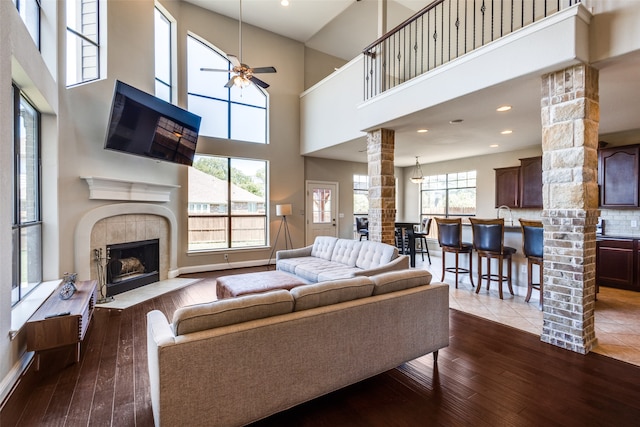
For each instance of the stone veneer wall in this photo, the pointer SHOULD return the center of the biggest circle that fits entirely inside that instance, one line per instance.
(570, 117)
(382, 186)
(131, 228)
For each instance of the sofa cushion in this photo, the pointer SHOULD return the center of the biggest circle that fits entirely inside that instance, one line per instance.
(327, 293)
(323, 247)
(216, 314)
(346, 252)
(398, 280)
(375, 254)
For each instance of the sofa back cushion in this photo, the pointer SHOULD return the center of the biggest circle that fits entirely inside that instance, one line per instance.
(225, 312)
(399, 280)
(333, 292)
(375, 254)
(323, 247)
(346, 252)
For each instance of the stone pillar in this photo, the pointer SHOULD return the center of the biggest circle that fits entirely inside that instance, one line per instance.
(382, 186)
(570, 117)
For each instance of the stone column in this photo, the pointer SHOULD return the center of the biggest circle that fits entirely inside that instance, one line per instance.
(570, 117)
(382, 186)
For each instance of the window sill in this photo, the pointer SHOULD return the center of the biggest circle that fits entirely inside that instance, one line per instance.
(22, 311)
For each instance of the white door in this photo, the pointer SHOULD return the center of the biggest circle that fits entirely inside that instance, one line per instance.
(321, 210)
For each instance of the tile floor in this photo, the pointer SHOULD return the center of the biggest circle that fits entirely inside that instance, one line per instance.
(617, 311)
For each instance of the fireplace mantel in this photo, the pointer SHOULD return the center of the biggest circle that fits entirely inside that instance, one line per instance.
(119, 189)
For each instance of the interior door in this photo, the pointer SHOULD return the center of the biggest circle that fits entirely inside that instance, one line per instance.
(321, 210)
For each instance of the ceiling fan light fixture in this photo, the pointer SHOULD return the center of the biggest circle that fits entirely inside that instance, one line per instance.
(241, 81)
(417, 176)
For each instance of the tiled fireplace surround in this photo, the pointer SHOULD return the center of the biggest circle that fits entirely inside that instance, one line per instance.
(121, 223)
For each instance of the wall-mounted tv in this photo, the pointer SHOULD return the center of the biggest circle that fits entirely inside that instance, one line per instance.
(147, 126)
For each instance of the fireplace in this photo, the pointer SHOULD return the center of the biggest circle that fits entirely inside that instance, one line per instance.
(132, 265)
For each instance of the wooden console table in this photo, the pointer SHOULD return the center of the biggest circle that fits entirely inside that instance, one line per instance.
(45, 332)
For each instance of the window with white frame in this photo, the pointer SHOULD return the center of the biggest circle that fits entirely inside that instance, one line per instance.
(26, 224)
(360, 195)
(164, 54)
(452, 194)
(83, 41)
(227, 203)
(230, 113)
(29, 11)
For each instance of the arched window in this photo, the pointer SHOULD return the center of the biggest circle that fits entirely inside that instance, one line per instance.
(230, 113)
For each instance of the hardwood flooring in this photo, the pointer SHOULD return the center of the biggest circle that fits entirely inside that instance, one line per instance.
(490, 375)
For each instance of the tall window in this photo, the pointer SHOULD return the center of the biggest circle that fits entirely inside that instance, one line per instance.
(83, 42)
(227, 203)
(27, 225)
(360, 195)
(163, 55)
(452, 194)
(230, 113)
(29, 11)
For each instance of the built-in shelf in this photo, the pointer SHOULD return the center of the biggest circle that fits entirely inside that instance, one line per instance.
(120, 189)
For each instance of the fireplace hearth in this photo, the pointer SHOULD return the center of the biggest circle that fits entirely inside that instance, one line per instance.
(132, 265)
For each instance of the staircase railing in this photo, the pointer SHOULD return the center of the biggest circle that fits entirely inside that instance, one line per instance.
(443, 31)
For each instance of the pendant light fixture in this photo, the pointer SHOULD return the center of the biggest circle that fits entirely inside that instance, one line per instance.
(417, 176)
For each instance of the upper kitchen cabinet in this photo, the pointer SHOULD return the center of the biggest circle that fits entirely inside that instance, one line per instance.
(531, 182)
(508, 186)
(618, 176)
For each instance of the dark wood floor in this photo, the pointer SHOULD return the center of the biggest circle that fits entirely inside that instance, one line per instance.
(490, 375)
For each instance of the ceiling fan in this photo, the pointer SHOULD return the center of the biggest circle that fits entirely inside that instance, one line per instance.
(243, 74)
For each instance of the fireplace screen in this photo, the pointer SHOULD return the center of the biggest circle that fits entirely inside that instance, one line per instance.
(132, 265)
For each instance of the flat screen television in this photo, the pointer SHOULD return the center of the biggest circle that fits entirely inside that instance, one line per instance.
(147, 126)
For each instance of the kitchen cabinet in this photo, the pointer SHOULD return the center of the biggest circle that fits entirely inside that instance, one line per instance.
(531, 182)
(520, 186)
(617, 263)
(618, 176)
(508, 186)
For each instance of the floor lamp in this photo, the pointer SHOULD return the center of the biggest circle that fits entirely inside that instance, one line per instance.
(283, 211)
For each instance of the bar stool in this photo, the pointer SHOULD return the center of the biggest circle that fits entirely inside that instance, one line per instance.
(533, 248)
(362, 226)
(421, 236)
(450, 240)
(488, 241)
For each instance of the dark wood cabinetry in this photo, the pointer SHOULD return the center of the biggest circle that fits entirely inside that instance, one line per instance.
(520, 186)
(531, 182)
(617, 263)
(618, 176)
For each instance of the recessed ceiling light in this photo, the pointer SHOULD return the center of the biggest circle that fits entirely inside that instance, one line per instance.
(494, 146)
(423, 130)
(285, 2)
(506, 132)
(503, 108)
(456, 121)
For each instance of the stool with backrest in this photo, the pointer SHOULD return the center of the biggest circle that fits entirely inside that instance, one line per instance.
(450, 240)
(533, 248)
(362, 227)
(421, 236)
(488, 241)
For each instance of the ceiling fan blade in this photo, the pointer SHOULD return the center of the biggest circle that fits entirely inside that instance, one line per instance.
(230, 82)
(215, 69)
(263, 70)
(234, 60)
(259, 82)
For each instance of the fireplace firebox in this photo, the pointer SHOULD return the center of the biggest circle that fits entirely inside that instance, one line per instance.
(132, 265)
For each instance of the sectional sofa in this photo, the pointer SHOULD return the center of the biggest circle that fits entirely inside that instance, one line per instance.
(234, 361)
(331, 258)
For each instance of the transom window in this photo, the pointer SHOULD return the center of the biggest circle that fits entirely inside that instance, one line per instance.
(164, 54)
(452, 194)
(27, 224)
(230, 113)
(227, 203)
(83, 41)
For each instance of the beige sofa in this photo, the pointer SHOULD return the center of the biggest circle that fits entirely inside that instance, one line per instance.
(331, 258)
(235, 361)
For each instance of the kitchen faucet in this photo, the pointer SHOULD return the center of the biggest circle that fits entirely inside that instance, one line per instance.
(508, 209)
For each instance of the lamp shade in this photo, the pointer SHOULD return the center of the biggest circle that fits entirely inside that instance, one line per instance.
(284, 210)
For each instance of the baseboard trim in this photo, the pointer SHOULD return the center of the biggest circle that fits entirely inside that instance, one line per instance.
(15, 387)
